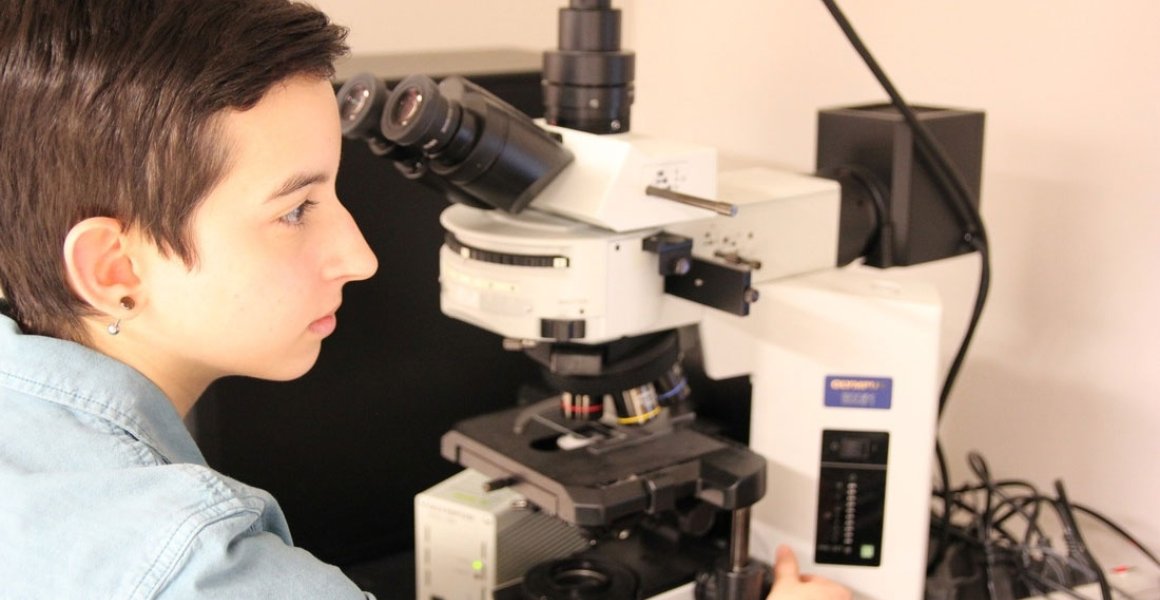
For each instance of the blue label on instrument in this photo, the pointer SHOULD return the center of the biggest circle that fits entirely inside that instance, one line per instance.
(846, 391)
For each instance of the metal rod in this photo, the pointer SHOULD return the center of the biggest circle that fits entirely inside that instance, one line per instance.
(721, 208)
(739, 540)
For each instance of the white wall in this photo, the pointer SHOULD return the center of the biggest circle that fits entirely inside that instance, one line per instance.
(1059, 382)
(381, 26)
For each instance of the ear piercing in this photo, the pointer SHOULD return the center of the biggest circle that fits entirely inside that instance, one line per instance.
(127, 303)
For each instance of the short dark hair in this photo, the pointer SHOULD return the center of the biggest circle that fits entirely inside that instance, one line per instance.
(112, 108)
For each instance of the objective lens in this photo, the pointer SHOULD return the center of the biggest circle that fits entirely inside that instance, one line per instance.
(637, 406)
(639, 376)
(672, 387)
(403, 111)
(582, 407)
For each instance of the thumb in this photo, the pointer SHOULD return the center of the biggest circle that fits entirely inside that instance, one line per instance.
(785, 569)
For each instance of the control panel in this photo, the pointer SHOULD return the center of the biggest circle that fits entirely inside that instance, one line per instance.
(851, 497)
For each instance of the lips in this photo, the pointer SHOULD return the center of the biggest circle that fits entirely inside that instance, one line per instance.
(324, 326)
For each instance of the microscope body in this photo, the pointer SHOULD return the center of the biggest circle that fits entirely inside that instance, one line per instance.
(841, 361)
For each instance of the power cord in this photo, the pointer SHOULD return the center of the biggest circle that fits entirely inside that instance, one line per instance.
(1002, 525)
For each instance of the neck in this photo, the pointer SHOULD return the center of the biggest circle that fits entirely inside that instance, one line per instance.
(181, 384)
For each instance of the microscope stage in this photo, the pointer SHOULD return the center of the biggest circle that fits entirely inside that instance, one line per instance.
(607, 473)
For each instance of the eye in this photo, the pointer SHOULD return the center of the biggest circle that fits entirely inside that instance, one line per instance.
(298, 215)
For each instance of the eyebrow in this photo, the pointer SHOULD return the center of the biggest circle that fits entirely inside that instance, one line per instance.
(296, 182)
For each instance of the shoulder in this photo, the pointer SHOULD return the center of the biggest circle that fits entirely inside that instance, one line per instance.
(74, 408)
(105, 529)
(236, 545)
(164, 531)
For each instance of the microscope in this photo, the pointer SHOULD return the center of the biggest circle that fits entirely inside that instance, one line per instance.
(615, 261)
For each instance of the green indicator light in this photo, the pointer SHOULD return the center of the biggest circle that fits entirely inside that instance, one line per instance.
(866, 551)
(477, 565)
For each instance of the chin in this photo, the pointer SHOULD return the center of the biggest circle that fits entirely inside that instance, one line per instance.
(287, 368)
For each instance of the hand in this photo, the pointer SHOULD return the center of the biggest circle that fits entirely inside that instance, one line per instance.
(789, 584)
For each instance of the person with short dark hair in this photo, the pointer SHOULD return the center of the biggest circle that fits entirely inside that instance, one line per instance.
(168, 216)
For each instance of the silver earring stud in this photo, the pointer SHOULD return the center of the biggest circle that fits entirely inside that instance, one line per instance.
(114, 328)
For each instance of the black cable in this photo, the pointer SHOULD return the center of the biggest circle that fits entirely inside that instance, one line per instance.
(1075, 540)
(972, 325)
(949, 180)
(948, 507)
(1055, 586)
(1120, 530)
(1002, 483)
(979, 466)
(1031, 561)
(1016, 505)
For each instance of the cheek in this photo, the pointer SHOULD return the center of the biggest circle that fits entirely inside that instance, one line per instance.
(253, 282)
(268, 288)
(254, 295)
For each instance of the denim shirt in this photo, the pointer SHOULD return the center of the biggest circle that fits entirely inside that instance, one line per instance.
(104, 494)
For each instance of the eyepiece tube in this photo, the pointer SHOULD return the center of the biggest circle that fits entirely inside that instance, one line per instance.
(588, 80)
(417, 114)
(360, 102)
(455, 136)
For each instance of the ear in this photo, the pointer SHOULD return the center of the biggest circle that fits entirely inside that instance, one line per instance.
(99, 264)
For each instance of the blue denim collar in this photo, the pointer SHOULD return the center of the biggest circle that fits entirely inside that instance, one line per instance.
(85, 380)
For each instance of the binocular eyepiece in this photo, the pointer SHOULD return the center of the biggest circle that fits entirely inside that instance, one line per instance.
(477, 148)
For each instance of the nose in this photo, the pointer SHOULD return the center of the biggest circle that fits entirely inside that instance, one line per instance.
(353, 259)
